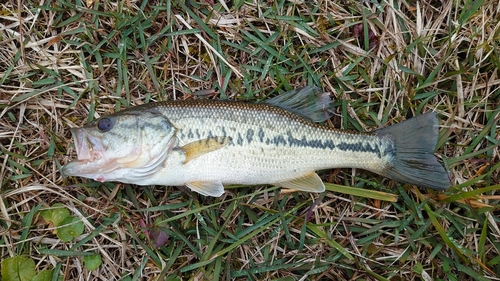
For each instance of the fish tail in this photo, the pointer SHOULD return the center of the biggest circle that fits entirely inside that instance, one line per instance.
(414, 162)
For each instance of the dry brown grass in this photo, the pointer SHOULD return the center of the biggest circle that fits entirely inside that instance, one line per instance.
(62, 65)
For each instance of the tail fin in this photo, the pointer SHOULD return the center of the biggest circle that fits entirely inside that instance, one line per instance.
(415, 140)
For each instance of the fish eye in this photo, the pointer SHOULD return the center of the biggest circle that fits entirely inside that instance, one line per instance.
(104, 124)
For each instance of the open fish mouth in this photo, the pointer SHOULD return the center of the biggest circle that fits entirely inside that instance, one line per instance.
(89, 151)
(88, 147)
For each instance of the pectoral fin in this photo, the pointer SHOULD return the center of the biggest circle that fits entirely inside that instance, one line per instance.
(207, 188)
(198, 148)
(310, 182)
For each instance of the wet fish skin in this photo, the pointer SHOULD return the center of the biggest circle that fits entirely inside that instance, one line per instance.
(205, 144)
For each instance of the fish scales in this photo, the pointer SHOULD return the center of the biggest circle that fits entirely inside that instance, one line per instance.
(205, 144)
(267, 143)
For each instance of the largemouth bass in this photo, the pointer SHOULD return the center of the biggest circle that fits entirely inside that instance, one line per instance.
(206, 144)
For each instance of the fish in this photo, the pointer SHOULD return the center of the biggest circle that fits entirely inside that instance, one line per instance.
(206, 144)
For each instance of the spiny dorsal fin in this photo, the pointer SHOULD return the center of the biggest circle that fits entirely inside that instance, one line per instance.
(310, 182)
(200, 147)
(310, 102)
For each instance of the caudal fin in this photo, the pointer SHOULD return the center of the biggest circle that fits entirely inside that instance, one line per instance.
(415, 140)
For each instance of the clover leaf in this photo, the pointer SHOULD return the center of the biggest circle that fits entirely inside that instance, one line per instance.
(92, 262)
(70, 228)
(56, 214)
(19, 268)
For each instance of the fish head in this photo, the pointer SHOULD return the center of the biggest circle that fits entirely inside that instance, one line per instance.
(126, 146)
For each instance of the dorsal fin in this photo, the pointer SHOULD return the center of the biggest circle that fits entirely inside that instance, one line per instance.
(309, 102)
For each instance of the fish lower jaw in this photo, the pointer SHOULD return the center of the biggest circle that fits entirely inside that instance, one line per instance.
(87, 168)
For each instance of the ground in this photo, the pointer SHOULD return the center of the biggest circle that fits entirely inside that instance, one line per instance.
(63, 63)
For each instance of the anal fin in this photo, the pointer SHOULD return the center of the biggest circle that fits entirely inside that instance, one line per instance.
(310, 183)
(207, 188)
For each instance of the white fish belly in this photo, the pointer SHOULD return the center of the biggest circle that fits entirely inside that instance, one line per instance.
(260, 164)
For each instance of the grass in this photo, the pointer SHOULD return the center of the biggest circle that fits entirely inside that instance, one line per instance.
(63, 63)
